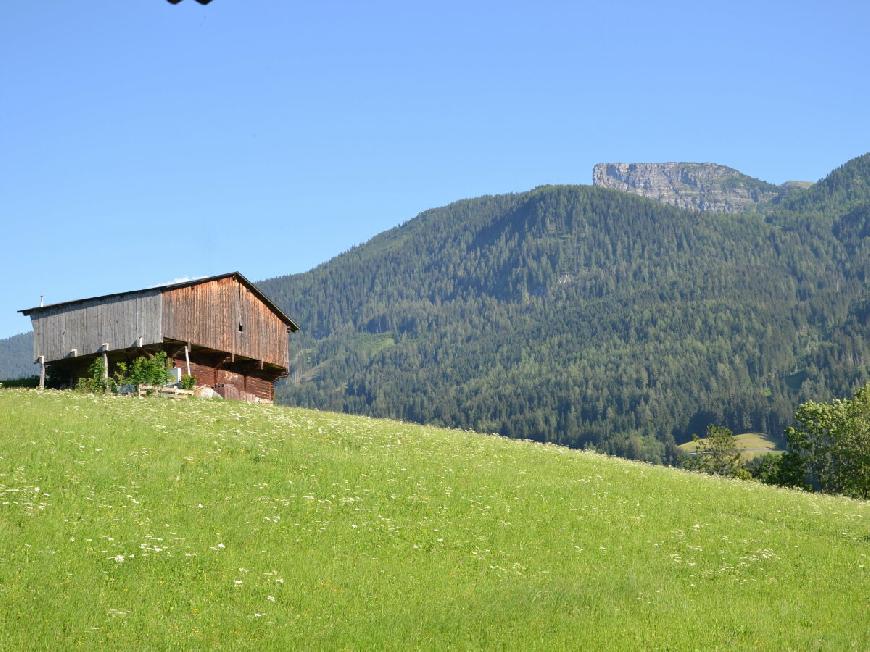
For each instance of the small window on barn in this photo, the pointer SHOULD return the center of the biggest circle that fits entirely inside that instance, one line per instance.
(241, 328)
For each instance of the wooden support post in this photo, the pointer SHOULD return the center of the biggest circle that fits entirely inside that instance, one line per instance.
(42, 372)
(187, 357)
(105, 348)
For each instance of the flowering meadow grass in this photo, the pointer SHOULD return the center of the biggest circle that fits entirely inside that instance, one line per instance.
(149, 523)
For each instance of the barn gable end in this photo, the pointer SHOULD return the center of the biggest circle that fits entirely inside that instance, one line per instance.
(245, 326)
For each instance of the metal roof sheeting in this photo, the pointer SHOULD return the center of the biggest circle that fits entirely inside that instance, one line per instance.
(171, 286)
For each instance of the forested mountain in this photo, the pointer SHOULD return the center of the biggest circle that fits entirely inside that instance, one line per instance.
(16, 356)
(593, 317)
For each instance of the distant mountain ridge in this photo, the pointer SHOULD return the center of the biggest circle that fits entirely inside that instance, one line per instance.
(693, 186)
(16, 356)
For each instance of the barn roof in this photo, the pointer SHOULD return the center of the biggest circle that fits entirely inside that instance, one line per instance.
(171, 286)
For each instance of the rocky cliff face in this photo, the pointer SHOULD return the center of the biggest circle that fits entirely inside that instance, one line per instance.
(695, 186)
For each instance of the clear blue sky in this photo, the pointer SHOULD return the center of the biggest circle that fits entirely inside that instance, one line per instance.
(141, 142)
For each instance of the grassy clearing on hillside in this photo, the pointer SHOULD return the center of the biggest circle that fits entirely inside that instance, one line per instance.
(194, 524)
(750, 445)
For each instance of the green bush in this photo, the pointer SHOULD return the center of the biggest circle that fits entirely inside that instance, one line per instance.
(188, 381)
(146, 370)
(94, 381)
(766, 468)
(829, 446)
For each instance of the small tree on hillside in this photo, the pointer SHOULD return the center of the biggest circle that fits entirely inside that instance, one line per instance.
(767, 468)
(717, 454)
(829, 445)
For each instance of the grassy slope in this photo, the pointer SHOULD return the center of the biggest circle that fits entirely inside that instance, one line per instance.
(750, 445)
(254, 527)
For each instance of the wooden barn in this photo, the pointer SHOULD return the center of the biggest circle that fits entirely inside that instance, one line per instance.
(222, 330)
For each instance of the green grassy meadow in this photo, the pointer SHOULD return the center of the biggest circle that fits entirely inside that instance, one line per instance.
(750, 445)
(154, 524)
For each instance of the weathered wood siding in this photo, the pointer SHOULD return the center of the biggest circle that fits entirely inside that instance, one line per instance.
(260, 387)
(209, 315)
(260, 384)
(204, 374)
(119, 321)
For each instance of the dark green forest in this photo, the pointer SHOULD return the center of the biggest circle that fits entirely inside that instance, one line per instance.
(16, 356)
(592, 317)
